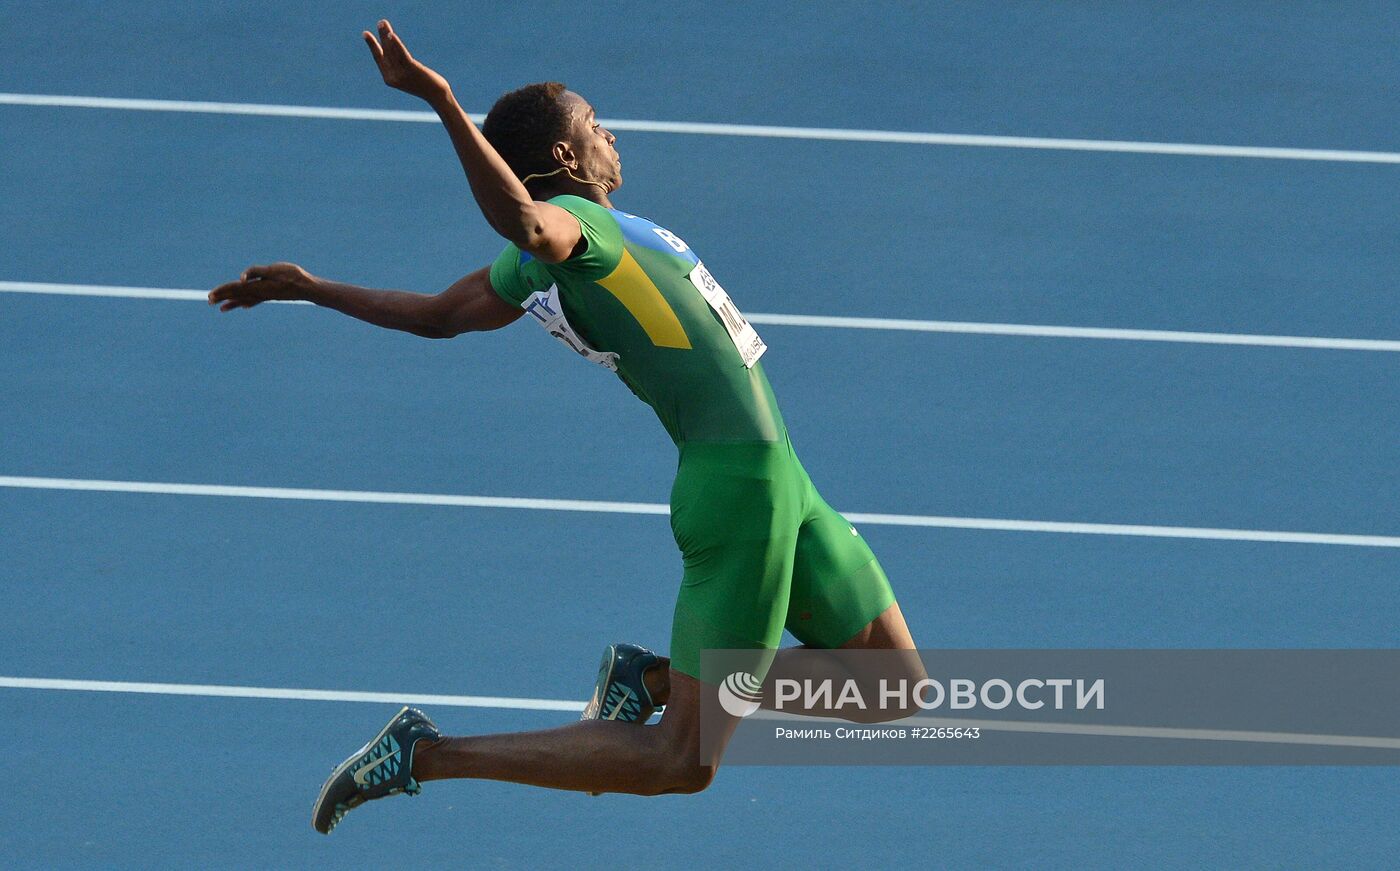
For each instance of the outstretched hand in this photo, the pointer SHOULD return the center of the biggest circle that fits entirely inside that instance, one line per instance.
(281, 281)
(399, 68)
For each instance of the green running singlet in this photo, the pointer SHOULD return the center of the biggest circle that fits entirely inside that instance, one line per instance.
(762, 550)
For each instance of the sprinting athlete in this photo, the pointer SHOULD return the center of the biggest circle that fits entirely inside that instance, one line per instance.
(761, 550)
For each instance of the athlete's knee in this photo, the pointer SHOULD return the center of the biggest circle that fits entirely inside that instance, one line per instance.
(897, 685)
(678, 778)
(688, 777)
(887, 714)
(684, 772)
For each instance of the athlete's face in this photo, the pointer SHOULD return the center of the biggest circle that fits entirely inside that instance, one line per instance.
(593, 146)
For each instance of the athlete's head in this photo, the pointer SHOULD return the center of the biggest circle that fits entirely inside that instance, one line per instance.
(545, 128)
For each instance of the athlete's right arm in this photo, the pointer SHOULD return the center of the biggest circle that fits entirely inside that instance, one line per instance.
(547, 232)
(468, 305)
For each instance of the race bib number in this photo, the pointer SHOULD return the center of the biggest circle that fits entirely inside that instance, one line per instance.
(548, 312)
(741, 332)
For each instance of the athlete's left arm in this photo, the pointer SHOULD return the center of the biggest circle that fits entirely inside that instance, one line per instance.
(469, 305)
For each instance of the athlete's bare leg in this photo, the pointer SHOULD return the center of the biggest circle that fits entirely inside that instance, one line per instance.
(807, 665)
(886, 632)
(591, 755)
(608, 756)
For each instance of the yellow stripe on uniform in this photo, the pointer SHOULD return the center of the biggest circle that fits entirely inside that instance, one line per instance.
(636, 291)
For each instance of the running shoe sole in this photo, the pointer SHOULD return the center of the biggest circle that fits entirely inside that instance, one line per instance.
(617, 700)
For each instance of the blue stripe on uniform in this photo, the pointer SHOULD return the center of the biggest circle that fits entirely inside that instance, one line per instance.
(640, 231)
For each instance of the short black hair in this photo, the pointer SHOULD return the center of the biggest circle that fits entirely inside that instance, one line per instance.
(524, 125)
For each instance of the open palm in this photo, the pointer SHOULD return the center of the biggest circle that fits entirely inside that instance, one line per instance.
(399, 68)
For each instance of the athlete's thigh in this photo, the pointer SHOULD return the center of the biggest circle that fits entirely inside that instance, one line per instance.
(886, 632)
(838, 586)
(737, 599)
(735, 513)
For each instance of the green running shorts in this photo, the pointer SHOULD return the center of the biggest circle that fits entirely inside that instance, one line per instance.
(763, 552)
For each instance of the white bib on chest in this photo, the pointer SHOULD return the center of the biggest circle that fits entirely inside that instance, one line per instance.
(741, 332)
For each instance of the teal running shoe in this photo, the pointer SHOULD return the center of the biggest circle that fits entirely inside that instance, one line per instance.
(620, 694)
(381, 768)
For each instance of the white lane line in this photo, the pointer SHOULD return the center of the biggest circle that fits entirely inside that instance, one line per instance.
(298, 494)
(106, 290)
(846, 323)
(1060, 332)
(1127, 529)
(242, 692)
(935, 521)
(507, 703)
(830, 134)
(1104, 730)
(209, 107)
